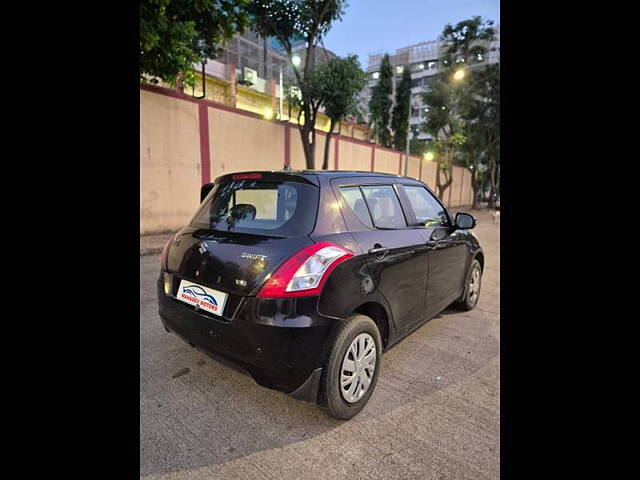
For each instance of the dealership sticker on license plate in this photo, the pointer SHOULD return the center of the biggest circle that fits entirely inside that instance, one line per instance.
(205, 298)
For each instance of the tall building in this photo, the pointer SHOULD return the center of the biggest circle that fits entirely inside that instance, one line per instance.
(260, 60)
(422, 60)
(250, 52)
(321, 55)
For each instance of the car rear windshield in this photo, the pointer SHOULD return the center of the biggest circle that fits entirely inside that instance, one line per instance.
(263, 207)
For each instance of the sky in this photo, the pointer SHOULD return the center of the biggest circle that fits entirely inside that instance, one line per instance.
(375, 26)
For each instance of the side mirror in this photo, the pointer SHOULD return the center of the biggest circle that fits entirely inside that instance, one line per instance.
(465, 221)
(205, 189)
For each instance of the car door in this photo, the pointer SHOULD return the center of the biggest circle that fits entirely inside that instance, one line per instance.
(396, 254)
(447, 255)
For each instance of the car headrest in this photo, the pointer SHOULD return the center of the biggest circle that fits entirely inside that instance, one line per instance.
(243, 211)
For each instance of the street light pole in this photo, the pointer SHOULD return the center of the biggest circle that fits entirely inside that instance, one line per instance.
(281, 93)
(406, 162)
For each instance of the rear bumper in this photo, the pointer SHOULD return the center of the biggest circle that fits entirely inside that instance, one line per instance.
(280, 343)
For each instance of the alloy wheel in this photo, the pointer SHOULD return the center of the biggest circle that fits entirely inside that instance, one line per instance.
(474, 286)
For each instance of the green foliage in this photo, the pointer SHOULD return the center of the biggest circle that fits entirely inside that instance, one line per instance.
(400, 116)
(417, 147)
(465, 40)
(360, 115)
(310, 20)
(380, 103)
(176, 34)
(448, 98)
(451, 101)
(443, 102)
(480, 110)
(337, 84)
(289, 19)
(481, 113)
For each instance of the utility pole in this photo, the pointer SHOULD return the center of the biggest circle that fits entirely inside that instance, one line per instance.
(406, 162)
(281, 94)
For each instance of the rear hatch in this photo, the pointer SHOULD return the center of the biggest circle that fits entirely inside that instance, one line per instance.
(243, 230)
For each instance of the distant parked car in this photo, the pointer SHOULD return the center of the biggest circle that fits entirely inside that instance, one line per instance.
(304, 278)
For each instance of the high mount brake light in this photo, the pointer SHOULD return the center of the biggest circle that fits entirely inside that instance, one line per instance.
(305, 273)
(246, 176)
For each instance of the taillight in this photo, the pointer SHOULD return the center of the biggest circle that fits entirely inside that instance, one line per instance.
(165, 254)
(304, 274)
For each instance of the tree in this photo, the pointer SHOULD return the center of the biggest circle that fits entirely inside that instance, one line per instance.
(176, 34)
(466, 40)
(481, 113)
(444, 125)
(492, 128)
(338, 83)
(400, 116)
(465, 43)
(380, 104)
(417, 147)
(309, 20)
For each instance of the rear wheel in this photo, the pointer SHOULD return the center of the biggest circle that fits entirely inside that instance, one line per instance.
(351, 369)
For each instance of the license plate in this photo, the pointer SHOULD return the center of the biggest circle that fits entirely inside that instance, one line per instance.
(207, 299)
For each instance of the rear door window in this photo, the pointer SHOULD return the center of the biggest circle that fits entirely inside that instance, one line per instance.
(355, 200)
(263, 207)
(384, 206)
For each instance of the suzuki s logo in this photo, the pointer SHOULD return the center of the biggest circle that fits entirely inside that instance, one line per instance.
(202, 248)
(198, 295)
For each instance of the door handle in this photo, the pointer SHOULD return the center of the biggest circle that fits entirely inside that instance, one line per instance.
(379, 251)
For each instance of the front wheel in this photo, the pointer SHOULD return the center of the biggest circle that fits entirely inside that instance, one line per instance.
(472, 287)
(352, 367)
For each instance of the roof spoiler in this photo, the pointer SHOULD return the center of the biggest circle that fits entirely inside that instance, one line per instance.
(278, 175)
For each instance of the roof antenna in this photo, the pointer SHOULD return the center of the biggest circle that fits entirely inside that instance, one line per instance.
(287, 168)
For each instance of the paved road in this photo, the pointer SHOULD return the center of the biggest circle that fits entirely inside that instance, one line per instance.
(434, 413)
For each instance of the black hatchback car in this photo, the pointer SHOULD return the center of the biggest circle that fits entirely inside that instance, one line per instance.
(303, 278)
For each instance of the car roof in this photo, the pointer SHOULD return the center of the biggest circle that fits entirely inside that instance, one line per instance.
(315, 176)
(343, 173)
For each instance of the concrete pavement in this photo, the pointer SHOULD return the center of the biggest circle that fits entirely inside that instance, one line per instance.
(434, 413)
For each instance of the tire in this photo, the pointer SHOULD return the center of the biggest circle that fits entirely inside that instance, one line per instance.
(340, 404)
(472, 287)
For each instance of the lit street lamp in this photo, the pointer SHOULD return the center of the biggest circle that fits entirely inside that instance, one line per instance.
(295, 60)
(459, 74)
